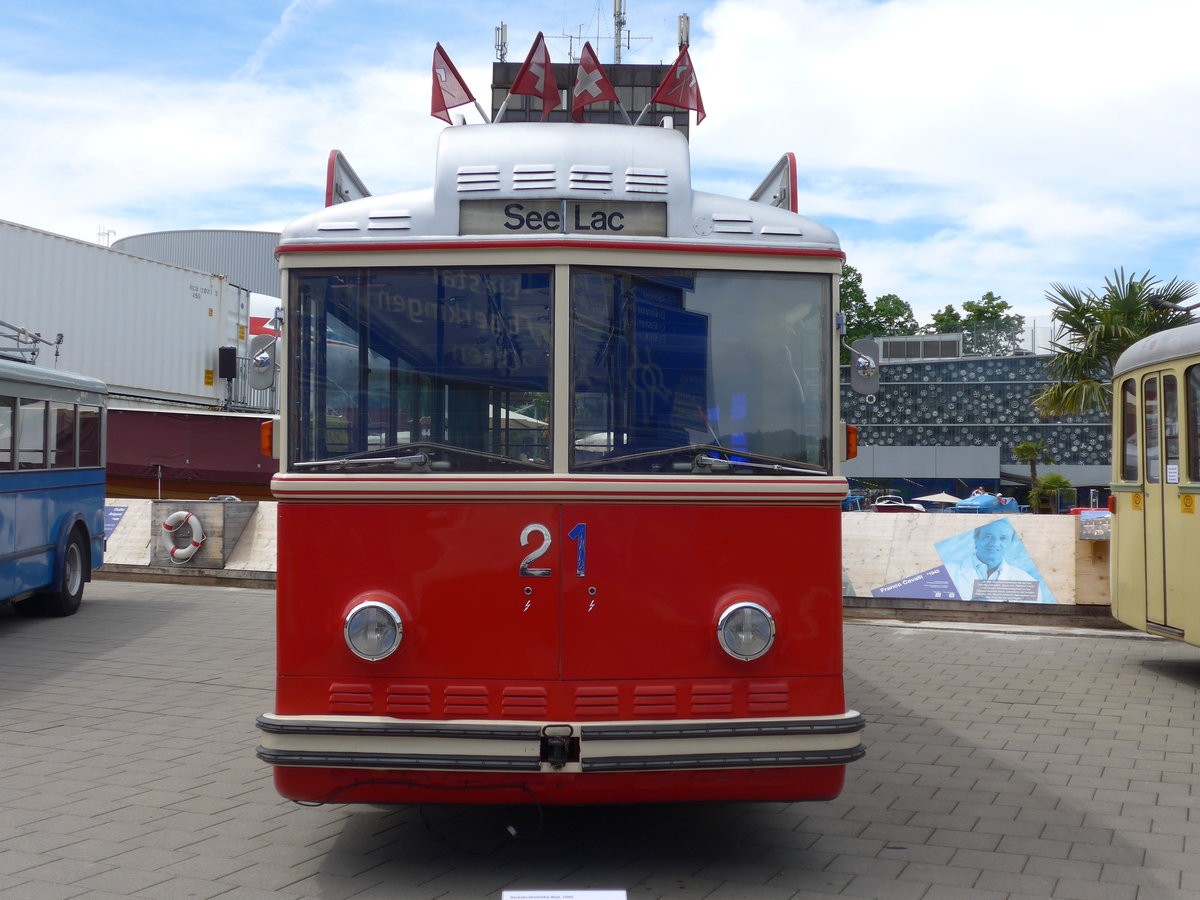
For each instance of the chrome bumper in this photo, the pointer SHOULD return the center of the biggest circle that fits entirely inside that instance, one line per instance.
(372, 742)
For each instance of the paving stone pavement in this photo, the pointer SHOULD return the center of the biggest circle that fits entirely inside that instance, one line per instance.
(1000, 765)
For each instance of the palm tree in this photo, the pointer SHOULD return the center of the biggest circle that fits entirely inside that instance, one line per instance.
(1092, 330)
(1032, 452)
(1053, 485)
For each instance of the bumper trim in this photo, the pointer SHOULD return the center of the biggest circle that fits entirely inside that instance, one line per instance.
(398, 761)
(847, 724)
(724, 760)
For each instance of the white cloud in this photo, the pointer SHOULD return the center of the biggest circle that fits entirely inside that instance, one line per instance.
(1031, 130)
(958, 147)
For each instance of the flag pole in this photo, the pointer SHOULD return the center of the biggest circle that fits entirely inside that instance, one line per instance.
(503, 107)
(641, 115)
(486, 118)
(621, 107)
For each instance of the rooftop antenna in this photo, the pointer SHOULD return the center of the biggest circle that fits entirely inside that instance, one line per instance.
(502, 42)
(685, 30)
(105, 235)
(618, 26)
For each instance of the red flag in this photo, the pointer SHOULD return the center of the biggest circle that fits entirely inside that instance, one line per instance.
(591, 84)
(536, 77)
(449, 90)
(680, 88)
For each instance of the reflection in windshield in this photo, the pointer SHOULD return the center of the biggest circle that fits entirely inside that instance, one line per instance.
(453, 357)
(665, 367)
(666, 360)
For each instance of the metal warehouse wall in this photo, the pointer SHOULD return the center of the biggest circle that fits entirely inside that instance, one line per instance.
(246, 258)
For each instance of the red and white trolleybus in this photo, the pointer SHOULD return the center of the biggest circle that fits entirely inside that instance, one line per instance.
(559, 502)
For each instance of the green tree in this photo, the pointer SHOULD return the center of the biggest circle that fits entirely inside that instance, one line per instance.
(887, 315)
(891, 315)
(990, 327)
(1053, 486)
(945, 321)
(1091, 330)
(1032, 452)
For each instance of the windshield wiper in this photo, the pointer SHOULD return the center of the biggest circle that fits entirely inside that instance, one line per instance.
(698, 458)
(344, 462)
(724, 465)
(422, 459)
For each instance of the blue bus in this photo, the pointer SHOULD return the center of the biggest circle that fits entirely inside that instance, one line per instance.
(52, 477)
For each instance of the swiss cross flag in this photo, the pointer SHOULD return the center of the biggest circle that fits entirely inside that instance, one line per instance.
(536, 77)
(591, 84)
(680, 88)
(449, 90)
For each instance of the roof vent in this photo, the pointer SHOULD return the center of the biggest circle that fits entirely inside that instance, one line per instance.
(541, 177)
(732, 223)
(591, 178)
(478, 178)
(645, 181)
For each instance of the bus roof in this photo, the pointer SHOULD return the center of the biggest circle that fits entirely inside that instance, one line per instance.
(1164, 346)
(488, 176)
(14, 372)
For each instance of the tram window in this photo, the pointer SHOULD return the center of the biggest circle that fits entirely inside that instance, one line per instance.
(452, 365)
(1170, 418)
(1129, 443)
(1192, 378)
(1150, 429)
(669, 366)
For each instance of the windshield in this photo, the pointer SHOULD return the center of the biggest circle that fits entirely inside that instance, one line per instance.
(673, 369)
(450, 365)
(670, 370)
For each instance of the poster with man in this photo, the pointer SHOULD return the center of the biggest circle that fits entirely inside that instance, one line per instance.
(991, 563)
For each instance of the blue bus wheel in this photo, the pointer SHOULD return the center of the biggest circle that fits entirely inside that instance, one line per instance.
(65, 602)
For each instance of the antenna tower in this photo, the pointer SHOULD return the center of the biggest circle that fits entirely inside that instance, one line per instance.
(618, 26)
(502, 42)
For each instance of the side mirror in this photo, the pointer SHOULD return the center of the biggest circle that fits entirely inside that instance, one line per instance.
(864, 368)
(261, 375)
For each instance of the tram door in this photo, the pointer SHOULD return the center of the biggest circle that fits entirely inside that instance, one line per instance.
(1160, 465)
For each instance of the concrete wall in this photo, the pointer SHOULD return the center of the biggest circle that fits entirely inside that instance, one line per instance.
(878, 549)
(883, 550)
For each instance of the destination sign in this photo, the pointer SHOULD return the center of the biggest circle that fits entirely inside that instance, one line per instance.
(594, 217)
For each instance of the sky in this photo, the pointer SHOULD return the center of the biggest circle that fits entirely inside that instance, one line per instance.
(956, 146)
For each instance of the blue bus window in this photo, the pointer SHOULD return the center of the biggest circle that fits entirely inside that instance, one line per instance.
(6, 433)
(32, 434)
(62, 425)
(90, 437)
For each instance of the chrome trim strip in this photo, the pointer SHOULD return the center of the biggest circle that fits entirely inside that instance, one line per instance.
(426, 487)
(364, 726)
(724, 760)
(847, 724)
(1164, 630)
(398, 761)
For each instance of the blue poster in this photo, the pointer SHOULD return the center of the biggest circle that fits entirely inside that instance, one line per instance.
(991, 563)
(933, 584)
(112, 518)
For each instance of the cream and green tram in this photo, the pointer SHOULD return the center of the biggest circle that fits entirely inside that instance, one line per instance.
(1156, 485)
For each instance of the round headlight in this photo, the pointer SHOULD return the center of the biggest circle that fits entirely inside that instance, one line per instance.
(746, 630)
(373, 630)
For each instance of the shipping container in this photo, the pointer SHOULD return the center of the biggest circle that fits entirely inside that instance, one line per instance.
(151, 330)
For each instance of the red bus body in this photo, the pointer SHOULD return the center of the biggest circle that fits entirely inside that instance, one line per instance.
(576, 618)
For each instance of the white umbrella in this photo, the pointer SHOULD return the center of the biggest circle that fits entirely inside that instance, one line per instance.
(940, 498)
